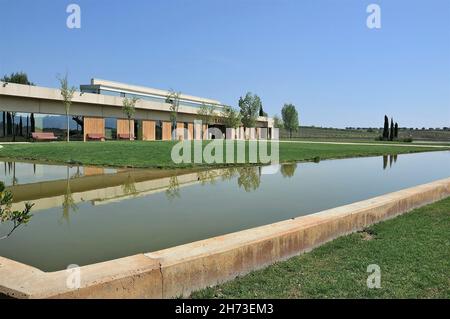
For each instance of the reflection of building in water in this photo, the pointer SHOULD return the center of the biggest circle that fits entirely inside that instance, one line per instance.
(102, 189)
(89, 184)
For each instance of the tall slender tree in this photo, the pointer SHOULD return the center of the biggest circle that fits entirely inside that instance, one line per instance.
(13, 115)
(32, 123)
(4, 123)
(8, 123)
(20, 126)
(386, 128)
(391, 134)
(396, 130)
(28, 126)
(173, 98)
(67, 95)
(129, 109)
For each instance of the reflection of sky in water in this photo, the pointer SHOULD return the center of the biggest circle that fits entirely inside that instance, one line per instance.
(136, 221)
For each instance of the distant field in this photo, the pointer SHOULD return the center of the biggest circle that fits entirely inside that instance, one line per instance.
(309, 132)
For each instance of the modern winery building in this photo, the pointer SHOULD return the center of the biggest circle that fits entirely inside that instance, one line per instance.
(97, 110)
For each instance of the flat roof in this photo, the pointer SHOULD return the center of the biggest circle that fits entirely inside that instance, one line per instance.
(118, 86)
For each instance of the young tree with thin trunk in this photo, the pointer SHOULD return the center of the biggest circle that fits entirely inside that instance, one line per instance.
(290, 118)
(173, 98)
(206, 114)
(231, 117)
(67, 95)
(129, 109)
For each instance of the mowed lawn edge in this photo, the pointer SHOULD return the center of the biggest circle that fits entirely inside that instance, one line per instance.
(412, 251)
(140, 154)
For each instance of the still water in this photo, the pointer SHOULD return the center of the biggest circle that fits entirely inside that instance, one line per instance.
(84, 215)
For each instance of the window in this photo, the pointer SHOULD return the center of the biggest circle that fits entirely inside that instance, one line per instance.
(158, 130)
(111, 128)
(186, 130)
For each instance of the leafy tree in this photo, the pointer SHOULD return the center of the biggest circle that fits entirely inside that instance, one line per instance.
(67, 95)
(129, 109)
(290, 118)
(7, 215)
(17, 77)
(249, 106)
(386, 128)
(277, 122)
(231, 117)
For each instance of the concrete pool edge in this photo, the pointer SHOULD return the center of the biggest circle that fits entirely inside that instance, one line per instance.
(179, 270)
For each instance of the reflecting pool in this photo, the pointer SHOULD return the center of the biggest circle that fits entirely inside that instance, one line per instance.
(83, 215)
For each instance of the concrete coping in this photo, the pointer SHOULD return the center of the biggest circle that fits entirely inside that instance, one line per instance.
(179, 270)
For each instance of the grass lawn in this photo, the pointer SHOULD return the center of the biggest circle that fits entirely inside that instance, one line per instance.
(413, 252)
(158, 154)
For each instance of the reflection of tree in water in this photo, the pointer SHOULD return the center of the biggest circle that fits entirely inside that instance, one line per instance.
(229, 173)
(77, 173)
(11, 171)
(173, 191)
(207, 177)
(288, 170)
(68, 201)
(389, 159)
(129, 186)
(249, 178)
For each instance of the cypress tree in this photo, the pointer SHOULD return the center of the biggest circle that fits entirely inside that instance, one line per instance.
(8, 124)
(4, 124)
(20, 126)
(33, 124)
(391, 135)
(386, 128)
(396, 130)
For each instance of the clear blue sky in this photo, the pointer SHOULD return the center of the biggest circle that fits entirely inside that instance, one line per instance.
(317, 54)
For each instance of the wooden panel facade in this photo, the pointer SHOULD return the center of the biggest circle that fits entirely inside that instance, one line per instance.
(180, 131)
(93, 125)
(205, 132)
(198, 131)
(148, 130)
(123, 127)
(191, 130)
(166, 131)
